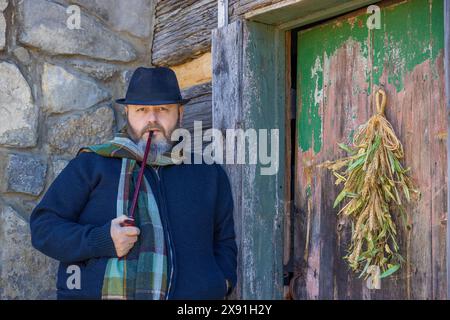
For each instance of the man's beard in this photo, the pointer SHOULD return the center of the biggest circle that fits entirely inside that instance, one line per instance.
(159, 147)
(156, 148)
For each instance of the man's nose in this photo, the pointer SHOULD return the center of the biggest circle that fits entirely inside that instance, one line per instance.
(151, 116)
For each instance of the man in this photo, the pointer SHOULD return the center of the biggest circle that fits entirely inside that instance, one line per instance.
(182, 242)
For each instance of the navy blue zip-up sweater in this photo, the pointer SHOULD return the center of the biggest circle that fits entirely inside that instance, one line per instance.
(72, 225)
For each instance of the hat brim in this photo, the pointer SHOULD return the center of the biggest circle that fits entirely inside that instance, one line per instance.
(152, 103)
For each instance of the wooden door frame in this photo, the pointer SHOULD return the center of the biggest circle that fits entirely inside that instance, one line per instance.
(244, 53)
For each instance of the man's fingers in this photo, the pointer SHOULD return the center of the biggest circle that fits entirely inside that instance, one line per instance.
(131, 240)
(124, 237)
(131, 231)
(121, 219)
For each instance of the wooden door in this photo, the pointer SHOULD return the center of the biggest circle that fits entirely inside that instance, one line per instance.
(340, 63)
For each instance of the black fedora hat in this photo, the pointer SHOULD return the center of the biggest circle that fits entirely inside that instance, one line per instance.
(153, 86)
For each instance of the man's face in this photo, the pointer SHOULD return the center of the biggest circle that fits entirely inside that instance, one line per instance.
(161, 119)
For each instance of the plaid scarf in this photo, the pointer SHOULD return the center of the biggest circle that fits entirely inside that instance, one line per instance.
(143, 273)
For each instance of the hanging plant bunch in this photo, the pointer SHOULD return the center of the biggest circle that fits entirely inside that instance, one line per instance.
(376, 186)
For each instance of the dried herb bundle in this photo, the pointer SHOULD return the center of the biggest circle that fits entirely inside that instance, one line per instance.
(376, 184)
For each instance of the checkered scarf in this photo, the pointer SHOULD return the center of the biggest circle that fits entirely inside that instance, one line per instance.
(143, 273)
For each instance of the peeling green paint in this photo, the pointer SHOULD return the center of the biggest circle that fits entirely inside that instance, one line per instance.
(308, 191)
(411, 33)
(351, 135)
(314, 45)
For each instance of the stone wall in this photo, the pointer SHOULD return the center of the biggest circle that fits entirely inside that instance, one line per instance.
(57, 86)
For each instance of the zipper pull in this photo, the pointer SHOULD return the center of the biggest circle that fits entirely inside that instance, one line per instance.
(156, 171)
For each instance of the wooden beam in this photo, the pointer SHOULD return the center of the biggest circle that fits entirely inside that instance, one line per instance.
(326, 13)
(182, 30)
(295, 13)
(199, 108)
(222, 13)
(194, 72)
(238, 8)
(263, 11)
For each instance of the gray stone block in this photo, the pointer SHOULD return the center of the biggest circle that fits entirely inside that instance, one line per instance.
(22, 55)
(25, 174)
(25, 273)
(64, 91)
(132, 16)
(98, 70)
(44, 25)
(2, 32)
(3, 4)
(68, 134)
(18, 114)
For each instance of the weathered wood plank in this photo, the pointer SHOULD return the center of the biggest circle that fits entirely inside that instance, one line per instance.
(296, 13)
(237, 8)
(198, 109)
(263, 108)
(447, 91)
(290, 150)
(182, 30)
(244, 97)
(227, 103)
(439, 203)
(222, 13)
(327, 236)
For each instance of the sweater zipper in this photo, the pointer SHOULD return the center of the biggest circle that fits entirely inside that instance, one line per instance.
(171, 248)
(156, 171)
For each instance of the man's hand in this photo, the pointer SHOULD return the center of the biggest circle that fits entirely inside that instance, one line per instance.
(124, 237)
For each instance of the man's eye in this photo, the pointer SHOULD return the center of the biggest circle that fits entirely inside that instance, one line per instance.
(140, 109)
(163, 109)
